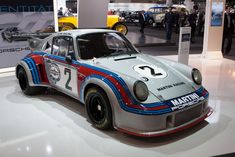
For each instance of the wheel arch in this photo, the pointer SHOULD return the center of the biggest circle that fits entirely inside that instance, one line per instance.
(67, 24)
(113, 101)
(23, 65)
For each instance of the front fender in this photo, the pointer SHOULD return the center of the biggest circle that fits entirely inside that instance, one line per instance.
(111, 96)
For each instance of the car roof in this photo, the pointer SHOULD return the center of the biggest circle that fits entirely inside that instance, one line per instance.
(160, 7)
(80, 32)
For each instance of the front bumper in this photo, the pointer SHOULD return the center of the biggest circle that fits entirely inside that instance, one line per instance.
(159, 125)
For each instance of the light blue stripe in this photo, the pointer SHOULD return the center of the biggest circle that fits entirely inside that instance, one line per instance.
(31, 70)
(35, 70)
(122, 82)
(126, 108)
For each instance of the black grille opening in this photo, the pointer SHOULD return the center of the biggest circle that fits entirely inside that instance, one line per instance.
(188, 115)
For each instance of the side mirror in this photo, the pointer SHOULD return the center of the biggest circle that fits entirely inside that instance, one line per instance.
(68, 59)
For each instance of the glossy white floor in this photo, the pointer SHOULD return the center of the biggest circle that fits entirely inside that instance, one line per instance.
(55, 125)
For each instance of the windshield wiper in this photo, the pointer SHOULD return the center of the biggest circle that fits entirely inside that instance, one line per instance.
(121, 52)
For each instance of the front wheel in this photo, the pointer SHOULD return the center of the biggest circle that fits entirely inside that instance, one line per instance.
(150, 21)
(121, 27)
(98, 108)
(67, 26)
(24, 84)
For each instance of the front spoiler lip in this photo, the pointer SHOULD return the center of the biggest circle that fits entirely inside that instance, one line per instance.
(168, 131)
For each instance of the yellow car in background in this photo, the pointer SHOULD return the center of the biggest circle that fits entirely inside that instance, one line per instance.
(113, 22)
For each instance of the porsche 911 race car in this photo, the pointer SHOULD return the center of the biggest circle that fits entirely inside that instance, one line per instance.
(120, 87)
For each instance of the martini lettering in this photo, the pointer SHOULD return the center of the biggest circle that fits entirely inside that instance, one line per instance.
(187, 100)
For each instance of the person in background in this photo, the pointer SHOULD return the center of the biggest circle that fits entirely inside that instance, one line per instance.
(201, 22)
(110, 12)
(192, 19)
(169, 22)
(183, 17)
(228, 31)
(142, 20)
(68, 12)
(60, 12)
(177, 21)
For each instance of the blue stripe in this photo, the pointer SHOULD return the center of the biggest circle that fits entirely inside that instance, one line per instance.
(122, 82)
(39, 53)
(31, 69)
(35, 70)
(122, 104)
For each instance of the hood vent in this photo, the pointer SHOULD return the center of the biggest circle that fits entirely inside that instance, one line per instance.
(125, 58)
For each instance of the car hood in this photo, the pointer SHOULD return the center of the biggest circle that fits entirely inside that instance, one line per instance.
(162, 80)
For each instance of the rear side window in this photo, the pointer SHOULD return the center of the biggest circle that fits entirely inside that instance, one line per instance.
(62, 46)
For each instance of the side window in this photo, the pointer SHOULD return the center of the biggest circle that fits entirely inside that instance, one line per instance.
(63, 46)
(47, 46)
(71, 51)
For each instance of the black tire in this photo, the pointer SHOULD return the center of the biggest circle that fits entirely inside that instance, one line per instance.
(150, 21)
(67, 26)
(98, 108)
(121, 27)
(24, 84)
(3, 36)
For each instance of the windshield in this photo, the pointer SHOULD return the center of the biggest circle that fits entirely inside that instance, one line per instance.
(104, 44)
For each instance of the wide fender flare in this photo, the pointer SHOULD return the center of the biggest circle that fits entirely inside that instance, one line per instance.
(27, 70)
(114, 104)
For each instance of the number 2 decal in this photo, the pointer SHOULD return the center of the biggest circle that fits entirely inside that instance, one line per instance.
(150, 71)
(66, 70)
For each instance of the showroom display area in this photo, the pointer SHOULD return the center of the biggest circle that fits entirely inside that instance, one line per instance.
(56, 125)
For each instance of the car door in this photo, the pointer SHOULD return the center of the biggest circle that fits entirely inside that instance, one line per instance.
(60, 71)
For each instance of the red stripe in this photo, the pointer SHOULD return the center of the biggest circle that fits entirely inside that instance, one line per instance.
(127, 101)
(39, 60)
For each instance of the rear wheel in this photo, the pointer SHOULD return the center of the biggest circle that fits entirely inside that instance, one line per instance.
(121, 27)
(98, 108)
(150, 21)
(24, 84)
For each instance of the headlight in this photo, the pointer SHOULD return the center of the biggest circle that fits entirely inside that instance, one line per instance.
(141, 90)
(121, 19)
(158, 17)
(197, 77)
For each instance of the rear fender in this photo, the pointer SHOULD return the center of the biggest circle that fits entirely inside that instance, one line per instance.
(24, 65)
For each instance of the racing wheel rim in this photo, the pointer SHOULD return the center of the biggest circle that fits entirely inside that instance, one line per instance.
(65, 28)
(97, 109)
(121, 28)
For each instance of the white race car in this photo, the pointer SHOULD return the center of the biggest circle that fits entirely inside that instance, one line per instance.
(120, 87)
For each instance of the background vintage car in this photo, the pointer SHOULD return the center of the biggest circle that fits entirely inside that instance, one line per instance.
(113, 22)
(158, 13)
